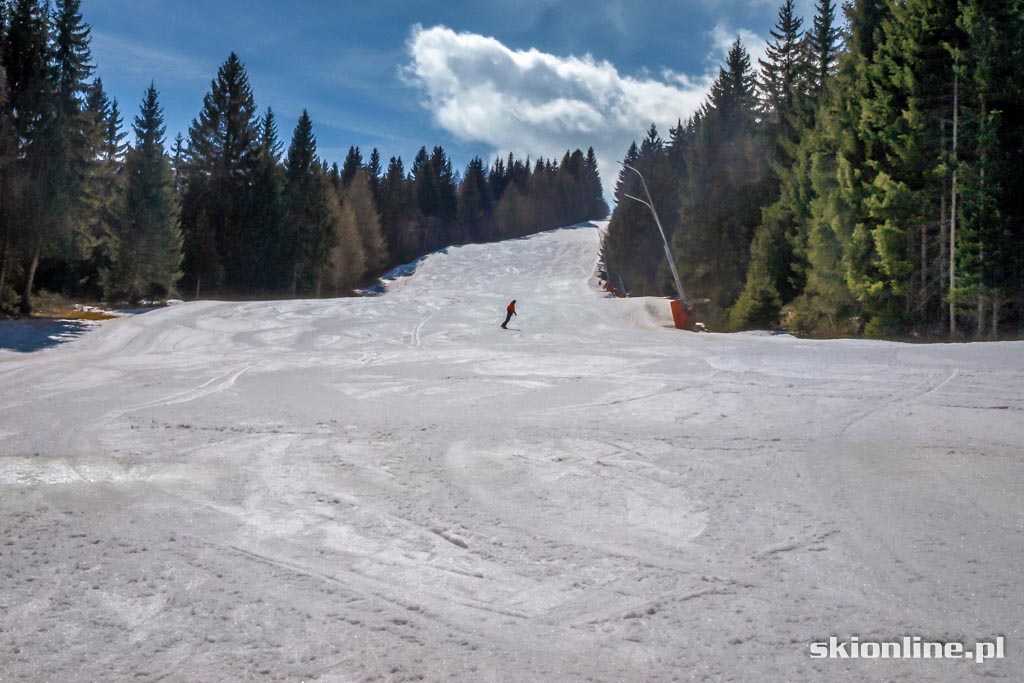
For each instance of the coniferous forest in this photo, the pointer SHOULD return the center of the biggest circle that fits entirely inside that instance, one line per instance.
(94, 212)
(862, 178)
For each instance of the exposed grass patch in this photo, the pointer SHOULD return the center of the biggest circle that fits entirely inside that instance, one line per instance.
(73, 314)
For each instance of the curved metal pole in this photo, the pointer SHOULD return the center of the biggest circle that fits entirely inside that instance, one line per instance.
(668, 252)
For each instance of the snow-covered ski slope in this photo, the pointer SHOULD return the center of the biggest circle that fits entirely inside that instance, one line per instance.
(394, 488)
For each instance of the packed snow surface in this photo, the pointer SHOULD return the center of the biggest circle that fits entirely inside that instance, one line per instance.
(394, 488)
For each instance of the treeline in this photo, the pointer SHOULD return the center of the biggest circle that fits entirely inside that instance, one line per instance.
(227, 211)
(862, 180)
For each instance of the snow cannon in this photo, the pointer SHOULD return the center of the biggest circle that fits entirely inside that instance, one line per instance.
(682, 315)
(679, 316)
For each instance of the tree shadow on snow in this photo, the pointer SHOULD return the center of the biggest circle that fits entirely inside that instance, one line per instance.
(26, 336)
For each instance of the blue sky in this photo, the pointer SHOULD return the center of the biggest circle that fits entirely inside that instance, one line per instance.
(530, 76)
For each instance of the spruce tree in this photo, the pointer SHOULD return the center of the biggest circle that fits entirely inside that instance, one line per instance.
(146, 243)
(822, 44)
(308, 204)
(8, 187)
(593, 191)
(223, 148)
(447, 203)
(396, 212)
(783, 75)
(108, 150)
(353, 162)
(475, 203)
(626, 180)
(837, 169)
(728, 182)
(47, 65)
(497, 178)
(274, 254)
(373, 175)
(30, 104)
(772, 276)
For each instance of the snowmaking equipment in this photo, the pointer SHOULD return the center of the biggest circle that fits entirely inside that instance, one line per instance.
(682, 315)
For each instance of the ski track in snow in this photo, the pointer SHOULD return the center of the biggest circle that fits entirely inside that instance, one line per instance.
(393, 488)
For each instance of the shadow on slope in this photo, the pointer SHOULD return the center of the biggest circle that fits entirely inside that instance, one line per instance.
(35, 334)
(26, 336)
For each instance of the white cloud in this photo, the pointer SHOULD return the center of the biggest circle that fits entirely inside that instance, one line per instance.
(723, 37)
(530, 102)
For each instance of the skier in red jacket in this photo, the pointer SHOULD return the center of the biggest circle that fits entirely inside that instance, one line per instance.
(511, 310)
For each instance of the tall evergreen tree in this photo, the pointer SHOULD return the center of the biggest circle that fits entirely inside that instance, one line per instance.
(497, 178)
(593, 191)
(57, 146)
(353, 162)
(772, 274)
(728, 182)
(475, 203)
(108, 151)
(223, 147)
(146, 246)
(397, 207)
(823, 44)
(29, 95)
(783, 75)
(373, 174)
(308, 211)
(274, 253)
(9, 181)
(634, 252)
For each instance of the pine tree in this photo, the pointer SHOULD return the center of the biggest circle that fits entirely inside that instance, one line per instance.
(822, 44)
(497, 178)
(475, 206)
(108, 150)
(223, 148)
(447, 203)
(759, 304)
(396, 212)
(30, 104)
(308, 204)
(728, 182)
(988, 267)
(635, 250)
(26, 63)
(146, 249)
(274, 254)
(836, 169)
(783, 74)
(434, 190)
(49, 87)
(353, 162)
(627, 179)
(373, 175)
(900, 124)
(593, 191)
(773, 274)
(9, 180)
